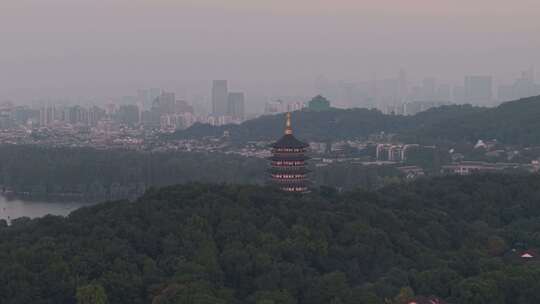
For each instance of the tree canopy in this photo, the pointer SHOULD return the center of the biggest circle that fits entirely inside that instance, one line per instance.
(514, 122)
(206, 243)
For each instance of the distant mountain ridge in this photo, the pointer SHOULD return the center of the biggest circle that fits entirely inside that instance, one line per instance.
(514, 122)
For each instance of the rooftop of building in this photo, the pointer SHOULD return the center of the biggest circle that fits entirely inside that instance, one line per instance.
(288, 140)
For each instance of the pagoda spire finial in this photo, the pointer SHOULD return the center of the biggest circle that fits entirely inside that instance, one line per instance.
(288, 127)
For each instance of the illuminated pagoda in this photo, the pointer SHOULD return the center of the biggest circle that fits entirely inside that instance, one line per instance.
(288, 162)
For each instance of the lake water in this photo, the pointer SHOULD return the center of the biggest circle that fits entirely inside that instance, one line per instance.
(14, 208)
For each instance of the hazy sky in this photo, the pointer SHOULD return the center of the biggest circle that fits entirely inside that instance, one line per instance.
(102, 48)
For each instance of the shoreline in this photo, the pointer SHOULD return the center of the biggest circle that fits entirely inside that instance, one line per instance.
(50, 198)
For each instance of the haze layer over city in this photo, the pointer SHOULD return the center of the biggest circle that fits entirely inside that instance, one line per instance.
(100, 51)
(269, 151)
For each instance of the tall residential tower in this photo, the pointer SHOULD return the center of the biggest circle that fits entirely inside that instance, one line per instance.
(236, 106)
(220, 97)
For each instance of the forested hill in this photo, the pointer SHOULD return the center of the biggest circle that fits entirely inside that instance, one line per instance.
(191, 244)
(328, 125)
(515, 122)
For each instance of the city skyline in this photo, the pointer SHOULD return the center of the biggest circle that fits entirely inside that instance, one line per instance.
(58, 50)
(379, 93)
(269, 151)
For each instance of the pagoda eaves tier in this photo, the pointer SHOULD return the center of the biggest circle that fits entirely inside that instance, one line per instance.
(288, 163)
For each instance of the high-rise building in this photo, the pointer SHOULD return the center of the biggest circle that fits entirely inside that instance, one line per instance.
(444, 92)
(177, 121)
(429, 89)
(522, 87)
(151, 118)
(505, 92)
(479, 90)
(458, 94)
(388, 93)
(146, 97)
(24, 115)
(403, 90)
(236, 106)
(183, 107)
(128, 114)
(273, 107)
(288, 162)
(46, 115)
(529, 74)
(165, 103)
(220, 96)
(295, 106)
(95, 114)
(346, 94)
(77, 115)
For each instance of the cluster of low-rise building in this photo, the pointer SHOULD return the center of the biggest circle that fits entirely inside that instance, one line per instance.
(129, 126)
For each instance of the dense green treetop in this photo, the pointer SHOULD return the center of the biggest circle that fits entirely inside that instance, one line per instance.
(199, 243)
